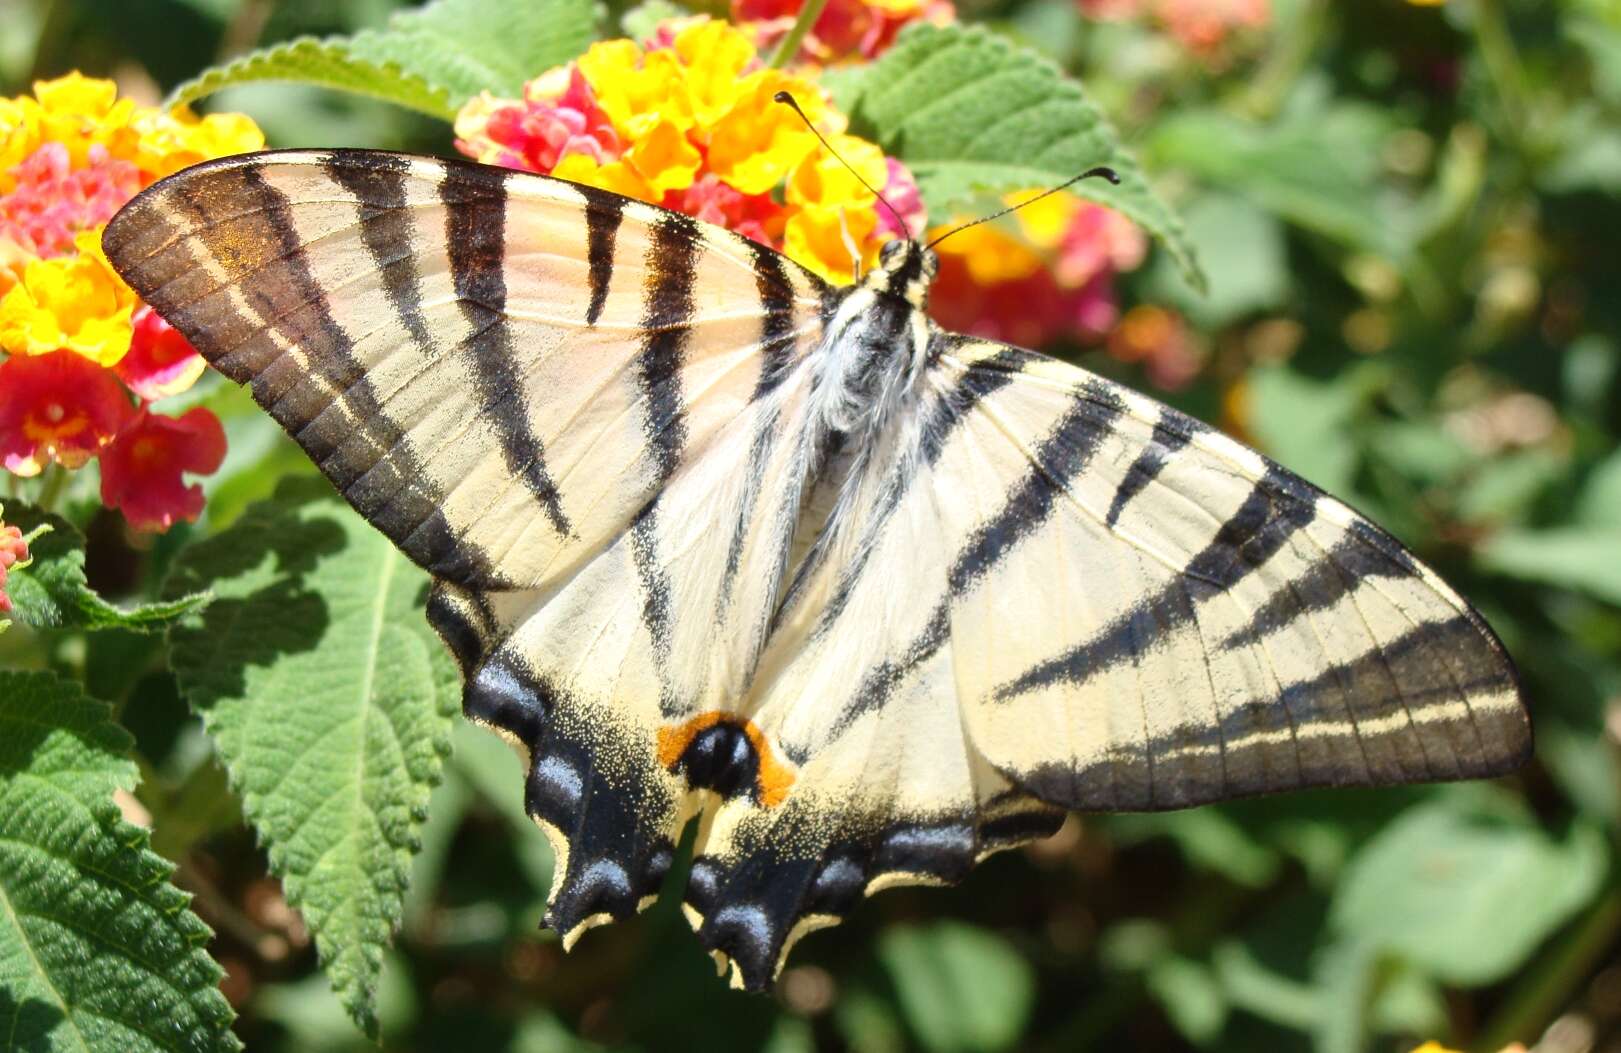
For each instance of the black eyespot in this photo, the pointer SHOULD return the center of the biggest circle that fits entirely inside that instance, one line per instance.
(721, 758)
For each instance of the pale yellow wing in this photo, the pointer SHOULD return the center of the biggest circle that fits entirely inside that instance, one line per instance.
(499, 370)
(1059, 593)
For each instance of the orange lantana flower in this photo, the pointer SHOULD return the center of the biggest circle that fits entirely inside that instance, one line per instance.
(690, 121)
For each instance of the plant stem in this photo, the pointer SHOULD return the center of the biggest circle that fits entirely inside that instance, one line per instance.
(55, 477)
(789, 47)
(1285, 60)
(1530, 1006)
(1503, 67)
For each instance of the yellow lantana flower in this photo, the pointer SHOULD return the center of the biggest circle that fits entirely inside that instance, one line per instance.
(617, 176)
(80, 112)
(759, 140)
(73, 302)
(824, 180)
(717, 57)
(637, 92)
(830, 237)
(664, 158)
(169, 140)
(19, 136)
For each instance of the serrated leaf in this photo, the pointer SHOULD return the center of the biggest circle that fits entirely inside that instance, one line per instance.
(1464, 895)
(962, 989)
(432, 58)
(331, 63)
(98, 951)
(51, 592)
(971, 114)
(325, 693)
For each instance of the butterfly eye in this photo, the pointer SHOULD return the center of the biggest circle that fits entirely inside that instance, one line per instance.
(931, 263)
(893, 252)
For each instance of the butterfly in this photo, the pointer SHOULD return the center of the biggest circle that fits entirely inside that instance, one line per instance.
(713, 539)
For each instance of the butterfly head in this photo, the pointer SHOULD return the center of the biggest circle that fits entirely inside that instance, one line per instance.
(905, 270)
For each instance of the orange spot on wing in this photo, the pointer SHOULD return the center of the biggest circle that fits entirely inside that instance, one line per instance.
(774, 776)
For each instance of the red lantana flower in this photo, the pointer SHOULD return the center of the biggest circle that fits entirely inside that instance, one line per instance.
(58, 407)
(141, 470)
(80, 356)
(845, 30)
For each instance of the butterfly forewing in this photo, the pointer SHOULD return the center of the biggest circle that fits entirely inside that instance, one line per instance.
(498, 370)
(863, 655)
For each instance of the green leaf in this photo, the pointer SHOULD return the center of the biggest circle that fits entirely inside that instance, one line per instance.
(1303, 422)
(1575, 557)
(1463, 893)
(1242, 248)
(1191, 995)
(51, 592)
(1208, 837)
(1600, 502)
(961, 989)
(1315, 166)
(330, 702)
(431, 59)
(1344, 972)
(335, 63)
(97, 949)
(642, 21)
(971, 114)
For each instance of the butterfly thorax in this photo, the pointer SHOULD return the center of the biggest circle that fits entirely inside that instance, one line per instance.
(863, 423)
(874, 346)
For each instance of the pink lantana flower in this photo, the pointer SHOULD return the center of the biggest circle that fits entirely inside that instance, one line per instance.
(13, 550)
(52, 201)
(540, 129)
(160, 360)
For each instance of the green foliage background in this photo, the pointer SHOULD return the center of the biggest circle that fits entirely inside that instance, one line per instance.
(1405, 219)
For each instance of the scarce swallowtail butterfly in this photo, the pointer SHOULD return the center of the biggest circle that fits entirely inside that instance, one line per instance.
(712, 538)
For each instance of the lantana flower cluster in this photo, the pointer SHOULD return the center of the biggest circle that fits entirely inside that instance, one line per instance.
(13, 552)
(1204, 28)
(688, 120)
(845, 31)
(1046, 275)
(85, 359)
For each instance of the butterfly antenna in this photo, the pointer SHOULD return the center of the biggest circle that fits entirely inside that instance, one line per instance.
(793, 103)
(1102, 171)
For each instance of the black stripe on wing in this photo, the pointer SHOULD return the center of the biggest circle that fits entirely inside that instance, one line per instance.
(667, 312)
(1270, 515)
(475, 200)
(1059, 459)
(226, 214)
(603, 214)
